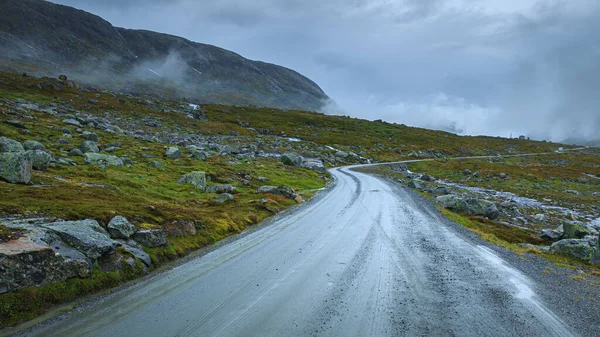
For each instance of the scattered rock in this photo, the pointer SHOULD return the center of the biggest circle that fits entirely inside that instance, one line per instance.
(223, 197)
(40, 160)
(196, 178)
(482, 208)
(10, 145)
(86, 236)
(91, 136)
(284, 191)
(88, 146)
(71, 121)
(452, 203)
(416, 184)
(426, 177)
(173, 153)
(15, 168)
(75, 152)
(222, 188)
(31, 145)
(16, 124)
(573, 247)
(574, 230)
(102, 159)
(313, 164)
(120, 228)
(151, 237)
(291, 159)
(156, 164)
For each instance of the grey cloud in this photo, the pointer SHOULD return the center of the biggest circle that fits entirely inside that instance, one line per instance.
(452, 64)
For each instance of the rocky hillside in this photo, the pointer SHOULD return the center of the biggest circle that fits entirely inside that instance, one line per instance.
(42, 38)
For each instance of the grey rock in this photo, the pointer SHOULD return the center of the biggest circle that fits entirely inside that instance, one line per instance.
(173, 153)
(200, 155)
(136, 250)
(72, 121)
(86, 236)
(452, 203)
(482, 208)
(102, 159)
(221, 188)
(551, 235)
(15, 168)
(33, 145)
(16, 124)
(573, 247)
(111, 262)
(416, 184)
(342, 154)
(88, 146)
(223, 197)
(120, 228)
(426, 177)
(313, 164)
(156, 164)
(10, 145)
(40, 160)
(75, 152)
(284, 191)
(91, 136)
(503, 175)
(151, 237)
(291, 159)
(574, 230)
(196, 178)
(63, 141)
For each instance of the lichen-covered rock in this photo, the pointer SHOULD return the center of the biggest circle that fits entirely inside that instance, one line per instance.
(313, 164)
(111, 262)
(173, 153)
(15, 168)
(120, 228)
(33, 145)
(91, 136)
(291, 159)
(284, 191)
(25, 263)
(196, 178)
(452, 203)
(40, 160)
(151, 237)
(136, 250)
(99, 158)
(197, 154)
(180, 228)
(416, 184)
(89, 147)
(156, 164)
(86, 236)
(573, 247)
(223, 197)
(10, 145)
(574, 230)
(342, 154)
(482, 208)
(221, 188)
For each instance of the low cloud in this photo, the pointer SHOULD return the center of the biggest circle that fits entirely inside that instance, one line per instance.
(491, 67)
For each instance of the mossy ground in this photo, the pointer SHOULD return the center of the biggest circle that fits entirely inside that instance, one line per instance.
(149, 197)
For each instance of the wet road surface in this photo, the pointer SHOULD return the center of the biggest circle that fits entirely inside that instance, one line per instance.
(366, 258)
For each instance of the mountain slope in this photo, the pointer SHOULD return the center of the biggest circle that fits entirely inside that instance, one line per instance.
(49, 38)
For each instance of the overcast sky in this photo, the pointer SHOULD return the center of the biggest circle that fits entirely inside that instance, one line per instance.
(491, 67)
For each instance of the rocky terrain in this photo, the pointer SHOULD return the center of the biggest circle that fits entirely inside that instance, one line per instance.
(546, 204)
(101, 187)
(40, 37)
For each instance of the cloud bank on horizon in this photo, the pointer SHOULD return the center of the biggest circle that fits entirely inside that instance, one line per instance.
(494, 67)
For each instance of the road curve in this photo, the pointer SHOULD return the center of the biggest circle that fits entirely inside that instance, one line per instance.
(366, 258)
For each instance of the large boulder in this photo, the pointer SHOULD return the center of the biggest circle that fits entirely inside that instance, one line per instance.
(15, 168)
(120, 228)
(91, 136)
(40, 160)
(313, 164)
(453, 203)
(86, 236)
(196, 178)
(577, 248)
(291, 159)
(173, 153)
(33, 145)
(221, 188)
(482, 208)
(10, 145)
(574, 230)
(25, 263)
(284, 191)
(88, 146)
(151, 237)
(104, 159)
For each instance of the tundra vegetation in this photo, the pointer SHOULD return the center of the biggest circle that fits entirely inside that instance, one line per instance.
(100, 187)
